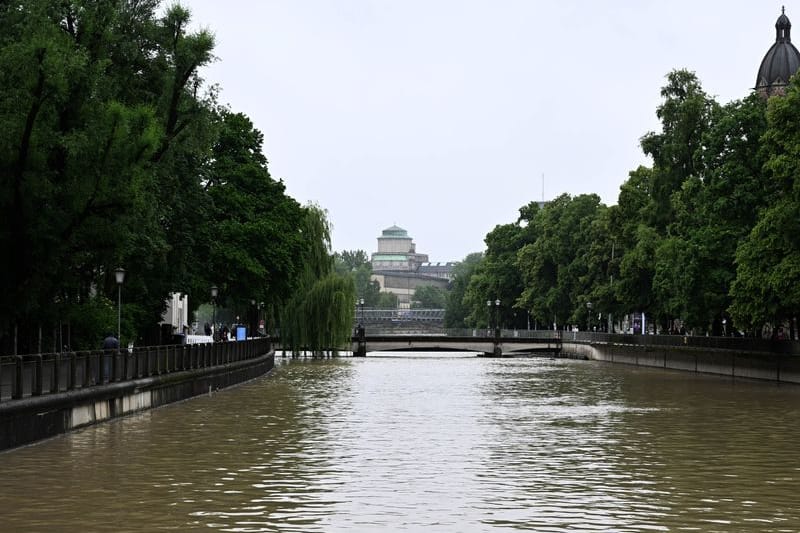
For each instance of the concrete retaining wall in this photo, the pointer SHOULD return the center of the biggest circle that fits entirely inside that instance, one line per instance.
(766, 366)
(35, 418)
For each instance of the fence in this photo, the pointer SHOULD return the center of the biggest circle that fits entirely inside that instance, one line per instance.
(50, 373)
(744, 344)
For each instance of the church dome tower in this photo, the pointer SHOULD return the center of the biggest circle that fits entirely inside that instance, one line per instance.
(781, 61)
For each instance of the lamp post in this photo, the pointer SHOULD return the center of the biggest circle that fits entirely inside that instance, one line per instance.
(214, 294)
(253, 318)
(361, 307)
(489, 316)
(589, 316)
(497, 318)
(119, 274)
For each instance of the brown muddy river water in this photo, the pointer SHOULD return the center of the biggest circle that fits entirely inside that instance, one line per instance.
(429, 443)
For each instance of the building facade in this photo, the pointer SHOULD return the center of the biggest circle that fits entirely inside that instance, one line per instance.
(396, 252)
(400, 270)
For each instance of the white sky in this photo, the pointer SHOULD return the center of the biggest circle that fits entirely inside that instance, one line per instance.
(441, 116)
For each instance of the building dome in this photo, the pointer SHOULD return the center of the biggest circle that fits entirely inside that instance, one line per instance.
(395, 232)
(780, 63)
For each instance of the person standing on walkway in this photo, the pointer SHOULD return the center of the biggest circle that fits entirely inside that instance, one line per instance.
(110, 347)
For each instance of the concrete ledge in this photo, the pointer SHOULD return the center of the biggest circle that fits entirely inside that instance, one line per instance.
(734, 363)
(30, 419)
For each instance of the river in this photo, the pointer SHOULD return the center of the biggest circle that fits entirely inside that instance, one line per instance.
(433, 443)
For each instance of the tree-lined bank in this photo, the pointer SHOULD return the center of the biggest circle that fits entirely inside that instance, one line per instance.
(116, 153)
(705, 239)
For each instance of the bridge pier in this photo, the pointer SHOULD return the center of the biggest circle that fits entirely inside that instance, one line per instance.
(361, 344)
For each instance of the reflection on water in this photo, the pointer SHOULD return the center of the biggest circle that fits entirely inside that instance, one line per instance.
(424, 442)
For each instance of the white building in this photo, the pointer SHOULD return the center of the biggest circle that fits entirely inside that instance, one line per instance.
(177, 312)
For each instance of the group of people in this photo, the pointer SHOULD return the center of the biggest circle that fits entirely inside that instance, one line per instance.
(224, 333)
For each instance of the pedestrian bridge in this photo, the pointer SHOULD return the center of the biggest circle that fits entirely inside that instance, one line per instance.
(498, 343)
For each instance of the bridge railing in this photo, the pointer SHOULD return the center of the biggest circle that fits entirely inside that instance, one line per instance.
(471, 332)
(50, 373)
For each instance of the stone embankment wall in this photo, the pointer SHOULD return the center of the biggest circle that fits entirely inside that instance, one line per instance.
(733, 363)
(39, 417)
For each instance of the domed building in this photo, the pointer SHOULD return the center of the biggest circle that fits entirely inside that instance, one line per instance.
(400, 270)
(781, 61)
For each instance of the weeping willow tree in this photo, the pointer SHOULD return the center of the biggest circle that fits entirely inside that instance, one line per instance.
(319, 315)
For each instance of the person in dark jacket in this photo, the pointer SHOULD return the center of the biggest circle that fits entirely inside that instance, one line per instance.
(109, 343)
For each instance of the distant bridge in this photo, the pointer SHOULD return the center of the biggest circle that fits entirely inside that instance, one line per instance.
(497, 343)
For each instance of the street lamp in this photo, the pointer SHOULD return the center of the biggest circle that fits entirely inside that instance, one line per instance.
(361, 305)
(589, 316)
(119, 274)
(253, 318)
(497, 317)
(489, 315)
(214, 294)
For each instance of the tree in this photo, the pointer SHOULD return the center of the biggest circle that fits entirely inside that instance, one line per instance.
(766, 289)
(87, 131)
(319, 314)
(456, 312)
(429, 297)
(684, 115)
(254, 232)
(354, 263)
(559, 279)
(386, 300)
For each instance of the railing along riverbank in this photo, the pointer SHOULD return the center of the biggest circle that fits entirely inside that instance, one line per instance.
(743, 344)
(30, 375)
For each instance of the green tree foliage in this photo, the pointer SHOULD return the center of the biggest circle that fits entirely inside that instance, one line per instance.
(114, 154)
(684, 116)
(319, 314)
(429, 297)
(386, 300)
(498, 276)
(568, 258)
(86, 127)
(766, 289)
(253, 232)
(456, 312)
(705, 234)
(355, 264)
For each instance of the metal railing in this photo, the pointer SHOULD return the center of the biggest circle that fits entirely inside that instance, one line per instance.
(746, 344)
(472, 332)
(24, 376)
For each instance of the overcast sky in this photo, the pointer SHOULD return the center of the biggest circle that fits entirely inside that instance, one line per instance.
(442, 116)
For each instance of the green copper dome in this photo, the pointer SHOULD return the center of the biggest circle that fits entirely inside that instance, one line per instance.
(395, 232)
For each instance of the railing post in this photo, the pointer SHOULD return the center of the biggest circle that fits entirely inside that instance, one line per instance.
(38, 380)
(17, 385)
(101, 362)
(88, 373)
(56, 385)
(72, 377)
(151, 361)
(114, 366)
